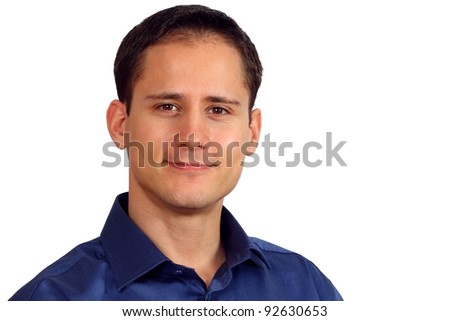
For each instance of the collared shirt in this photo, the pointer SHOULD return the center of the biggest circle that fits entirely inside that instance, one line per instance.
(123, 264)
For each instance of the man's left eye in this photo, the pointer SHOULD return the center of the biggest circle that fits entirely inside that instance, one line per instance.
(218, 110)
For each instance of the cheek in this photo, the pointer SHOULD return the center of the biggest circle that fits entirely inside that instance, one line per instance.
(233, 145)
(148, 129)
(148, 143)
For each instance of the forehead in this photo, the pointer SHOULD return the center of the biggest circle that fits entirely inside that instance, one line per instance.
(205, 60)
(191, 38)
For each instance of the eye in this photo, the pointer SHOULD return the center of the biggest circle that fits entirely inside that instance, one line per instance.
(168, 107)
(218, 111)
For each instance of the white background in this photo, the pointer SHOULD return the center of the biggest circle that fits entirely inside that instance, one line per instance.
(374, 73)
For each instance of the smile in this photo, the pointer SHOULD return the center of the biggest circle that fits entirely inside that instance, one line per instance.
(190, 166)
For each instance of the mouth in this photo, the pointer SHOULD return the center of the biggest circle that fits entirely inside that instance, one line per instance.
(191, 165)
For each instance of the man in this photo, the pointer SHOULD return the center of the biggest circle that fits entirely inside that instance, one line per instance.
(187, 79)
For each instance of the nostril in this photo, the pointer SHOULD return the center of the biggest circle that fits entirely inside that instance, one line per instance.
(190, 141)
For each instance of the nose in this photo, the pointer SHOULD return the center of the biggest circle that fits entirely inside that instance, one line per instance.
(193, 130)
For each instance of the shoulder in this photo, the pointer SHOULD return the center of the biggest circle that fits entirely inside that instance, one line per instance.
(297, 269)
(63, 278)
(280, 257)
(267, 246)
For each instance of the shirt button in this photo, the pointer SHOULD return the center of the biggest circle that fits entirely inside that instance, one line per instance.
(178, 272)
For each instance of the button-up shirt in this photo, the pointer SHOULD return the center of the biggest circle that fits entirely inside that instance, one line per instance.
(123, 264)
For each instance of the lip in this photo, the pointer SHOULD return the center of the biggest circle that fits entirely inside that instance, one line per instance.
(189, 166)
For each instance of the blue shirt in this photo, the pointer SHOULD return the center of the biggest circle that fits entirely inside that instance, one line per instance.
(123, 264)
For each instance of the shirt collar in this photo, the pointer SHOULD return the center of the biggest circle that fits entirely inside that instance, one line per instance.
(131, 254)
(238, 246)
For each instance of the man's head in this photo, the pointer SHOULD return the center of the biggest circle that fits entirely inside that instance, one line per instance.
(187, 79)
(177, 24)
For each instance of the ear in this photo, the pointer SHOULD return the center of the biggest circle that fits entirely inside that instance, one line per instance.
(255, 129)
(116, 118)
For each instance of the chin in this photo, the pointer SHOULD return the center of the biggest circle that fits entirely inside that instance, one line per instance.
(193, 200)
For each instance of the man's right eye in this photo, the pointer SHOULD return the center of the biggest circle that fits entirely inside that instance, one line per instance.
(168, 107)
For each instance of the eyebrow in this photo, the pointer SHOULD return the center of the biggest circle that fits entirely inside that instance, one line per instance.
(164, 95)
(177, 96)
(222, 99)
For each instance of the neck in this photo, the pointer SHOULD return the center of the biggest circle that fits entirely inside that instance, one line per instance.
(187, 237)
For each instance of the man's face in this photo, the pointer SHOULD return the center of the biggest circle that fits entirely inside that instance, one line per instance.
(190, 113)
